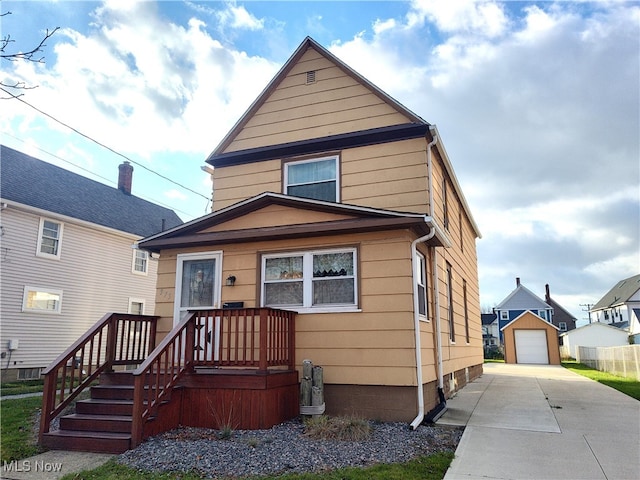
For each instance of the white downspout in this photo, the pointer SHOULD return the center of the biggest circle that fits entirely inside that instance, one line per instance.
(435, 265)
(416, 325)
(416, 313)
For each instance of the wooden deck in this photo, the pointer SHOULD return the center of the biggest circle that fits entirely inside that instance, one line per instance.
(244, 379)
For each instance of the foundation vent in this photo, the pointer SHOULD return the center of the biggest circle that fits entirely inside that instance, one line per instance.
(311, 77)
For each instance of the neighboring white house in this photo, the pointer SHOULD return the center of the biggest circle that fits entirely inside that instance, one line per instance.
(67, 258)
(592, 335)
(621, 304)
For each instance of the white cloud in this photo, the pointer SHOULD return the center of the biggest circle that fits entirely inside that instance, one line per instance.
(460, 16)
(174, 194)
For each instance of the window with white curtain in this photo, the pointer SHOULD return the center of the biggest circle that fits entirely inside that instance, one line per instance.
(315, 178)
(311, 280)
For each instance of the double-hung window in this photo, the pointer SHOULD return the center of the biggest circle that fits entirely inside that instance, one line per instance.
(310, 281)
(315, 178)
(49, 238)
(421, 280)
(140, 261)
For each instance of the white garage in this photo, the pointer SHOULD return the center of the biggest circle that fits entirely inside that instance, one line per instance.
(531, 346)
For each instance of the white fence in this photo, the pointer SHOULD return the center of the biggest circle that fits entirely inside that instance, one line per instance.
(622, 361)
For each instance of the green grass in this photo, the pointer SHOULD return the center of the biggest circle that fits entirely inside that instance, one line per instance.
(493, 360)
(24, 386)
(627, 386)
(432, 467)
(16, 428)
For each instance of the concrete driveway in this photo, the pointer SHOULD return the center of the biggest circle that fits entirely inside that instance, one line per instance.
(543, 422)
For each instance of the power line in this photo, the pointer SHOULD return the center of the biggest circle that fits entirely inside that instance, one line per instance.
(102, 144)
(108, 180)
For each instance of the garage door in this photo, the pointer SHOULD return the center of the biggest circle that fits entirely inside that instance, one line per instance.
(531, 346)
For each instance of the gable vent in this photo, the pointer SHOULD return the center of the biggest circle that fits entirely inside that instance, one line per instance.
(311, 77)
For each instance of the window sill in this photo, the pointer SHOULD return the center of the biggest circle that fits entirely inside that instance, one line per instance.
(329, 310)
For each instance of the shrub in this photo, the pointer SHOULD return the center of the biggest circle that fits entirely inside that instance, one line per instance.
(351, 428)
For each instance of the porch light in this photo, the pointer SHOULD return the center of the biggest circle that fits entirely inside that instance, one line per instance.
(231, 280)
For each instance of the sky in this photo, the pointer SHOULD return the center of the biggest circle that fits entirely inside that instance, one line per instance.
(537, 105)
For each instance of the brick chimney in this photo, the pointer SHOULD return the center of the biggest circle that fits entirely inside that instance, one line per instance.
(125, 175)
(547, 295)
(517, 281)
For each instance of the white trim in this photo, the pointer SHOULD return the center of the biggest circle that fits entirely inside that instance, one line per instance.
(39, 252)
(67, 219)
(287, 164)
(52, 291)
(307, 281)
(421, 267)
(180, 259)
(136, 251)
(136, 300)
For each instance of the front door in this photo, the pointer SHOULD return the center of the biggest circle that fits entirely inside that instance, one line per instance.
(198, 287)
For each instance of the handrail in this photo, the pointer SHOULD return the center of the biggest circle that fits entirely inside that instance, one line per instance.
(162, 369)
(115, 339)
(256, 338)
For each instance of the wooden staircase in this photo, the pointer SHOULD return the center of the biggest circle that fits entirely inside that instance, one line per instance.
(101, 423)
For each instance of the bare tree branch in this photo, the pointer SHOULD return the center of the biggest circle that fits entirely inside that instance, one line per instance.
(13, 56)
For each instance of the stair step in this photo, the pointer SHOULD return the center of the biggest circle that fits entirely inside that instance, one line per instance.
(112, 392)
(81, 441)
(117, 378)
(96, 423)
(101, 406)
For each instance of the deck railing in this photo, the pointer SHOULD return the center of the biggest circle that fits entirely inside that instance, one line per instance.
(116, 339)
(257, 338)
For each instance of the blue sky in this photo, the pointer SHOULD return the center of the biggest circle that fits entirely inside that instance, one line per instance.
(537, 104)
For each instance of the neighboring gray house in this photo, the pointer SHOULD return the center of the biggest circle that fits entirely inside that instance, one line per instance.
(561, 317)
(489, 330)
(67, 257)
(519, 301)
(621, 304)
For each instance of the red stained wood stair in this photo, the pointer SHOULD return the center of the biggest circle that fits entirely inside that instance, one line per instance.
(101, 423)
(251, 364)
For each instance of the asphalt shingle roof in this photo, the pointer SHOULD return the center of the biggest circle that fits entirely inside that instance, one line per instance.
(619, 294)
(30, 181)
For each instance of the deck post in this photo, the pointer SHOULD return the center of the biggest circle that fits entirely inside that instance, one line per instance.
(112, 339)
(190, 343)
(291, 325)
(262, 363)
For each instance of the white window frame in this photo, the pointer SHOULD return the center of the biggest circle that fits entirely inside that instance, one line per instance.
(133, 300)
(40, 253)
(504, 315)
(421, 280)
(52, 291)
(561, 325)
(542, 314)
(336, 158)
(136, 251)
(178, 311)
(307, 281)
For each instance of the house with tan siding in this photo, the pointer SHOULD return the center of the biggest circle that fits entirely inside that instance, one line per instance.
(66, 257)
(334, 201)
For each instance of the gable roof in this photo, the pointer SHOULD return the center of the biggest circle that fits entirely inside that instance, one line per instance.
(593, 325)
(29, 181)
(522, 299)
(559, 312)
(488, 318)
(362, 219)
(619, 294)
(528, 312)
(307, 43)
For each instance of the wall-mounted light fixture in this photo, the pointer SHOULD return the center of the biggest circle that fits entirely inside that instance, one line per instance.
(231, 280)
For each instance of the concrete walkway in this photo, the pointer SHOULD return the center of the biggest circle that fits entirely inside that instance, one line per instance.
(543, 423)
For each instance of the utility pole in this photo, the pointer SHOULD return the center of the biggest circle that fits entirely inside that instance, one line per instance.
(587, 309)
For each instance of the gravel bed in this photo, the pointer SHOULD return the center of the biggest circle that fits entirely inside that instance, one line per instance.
(282, 449)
